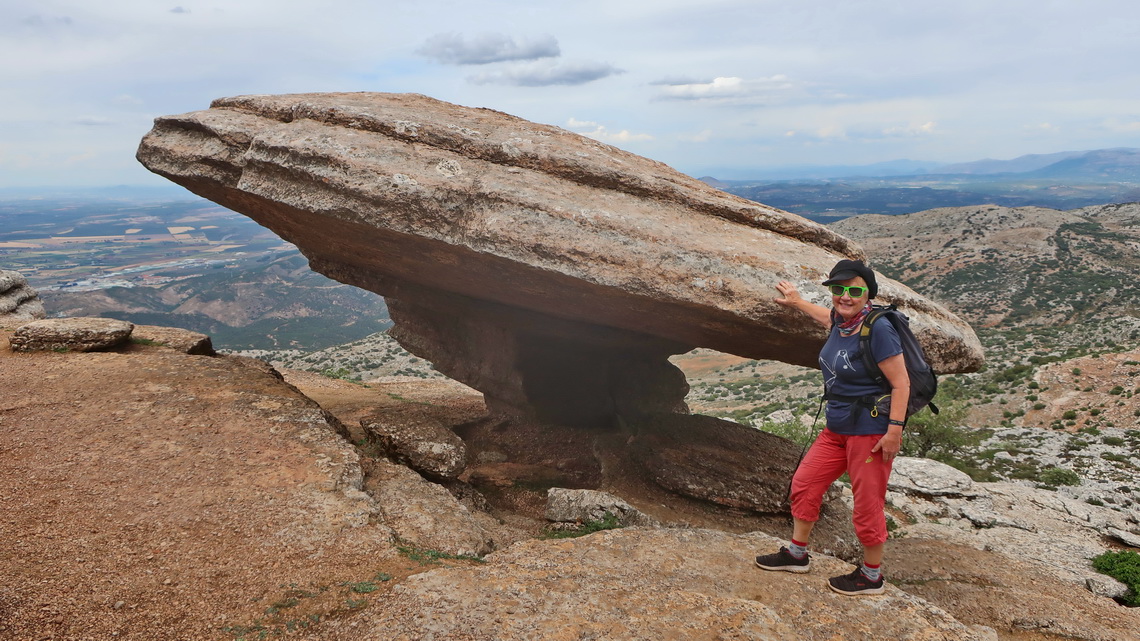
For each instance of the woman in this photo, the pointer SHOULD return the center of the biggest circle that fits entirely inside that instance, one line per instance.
(864, 426)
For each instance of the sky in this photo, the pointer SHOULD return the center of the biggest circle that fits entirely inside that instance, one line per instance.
(727, 88)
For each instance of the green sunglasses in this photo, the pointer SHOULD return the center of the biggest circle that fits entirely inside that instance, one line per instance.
(855, 291)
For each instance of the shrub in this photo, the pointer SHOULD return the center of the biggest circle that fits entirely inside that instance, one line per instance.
(793, 430)
(1056, 476)
(1069, 415)
(940, 436)
(1123, 566)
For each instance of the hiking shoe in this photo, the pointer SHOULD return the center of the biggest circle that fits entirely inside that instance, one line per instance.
(855, 584)
(784, 561)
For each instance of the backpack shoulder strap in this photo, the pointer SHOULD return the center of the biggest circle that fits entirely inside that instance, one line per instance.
(869, 363)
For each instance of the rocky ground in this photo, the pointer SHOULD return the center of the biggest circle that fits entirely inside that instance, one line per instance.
(150, 494)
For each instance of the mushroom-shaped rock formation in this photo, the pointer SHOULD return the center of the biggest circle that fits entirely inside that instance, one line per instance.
(552, 272)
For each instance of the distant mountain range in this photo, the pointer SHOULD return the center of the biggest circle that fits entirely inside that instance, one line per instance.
(1119, 164)
(1066, 180)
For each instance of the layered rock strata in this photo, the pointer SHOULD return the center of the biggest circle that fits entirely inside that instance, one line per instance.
(551, 272)
(18, 300)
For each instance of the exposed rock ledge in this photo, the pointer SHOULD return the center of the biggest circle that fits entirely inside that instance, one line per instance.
(163, 495)
(551, 272)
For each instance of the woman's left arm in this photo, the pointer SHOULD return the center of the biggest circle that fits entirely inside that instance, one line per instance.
(894, 368)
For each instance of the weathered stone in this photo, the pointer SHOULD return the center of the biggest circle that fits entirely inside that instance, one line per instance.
(718, 461)
(420, 442)
(18, 301)
(928, 477)
(1005, 593)
(1130, 539)
(648, 584)
(422, 513)
(71, 334)
(565, 505)
(1040, 527)
(550, 271)
(182, 340)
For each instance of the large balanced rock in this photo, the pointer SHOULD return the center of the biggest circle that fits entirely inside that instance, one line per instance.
(18, 301)
(71, 334)
(551, 272)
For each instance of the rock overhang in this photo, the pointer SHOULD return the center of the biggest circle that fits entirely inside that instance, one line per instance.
(415, 198)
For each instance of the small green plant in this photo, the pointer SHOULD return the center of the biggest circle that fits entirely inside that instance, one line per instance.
(589, 527)
(1057, 476)
(372, 585)
(1123, 566)
(281, 605)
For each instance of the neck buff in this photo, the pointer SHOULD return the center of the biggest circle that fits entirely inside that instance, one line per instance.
(847, 328)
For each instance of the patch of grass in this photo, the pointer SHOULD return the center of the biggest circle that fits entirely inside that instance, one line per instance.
(372, 585)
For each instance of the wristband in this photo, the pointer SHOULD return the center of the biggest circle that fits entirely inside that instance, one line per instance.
(894, 422)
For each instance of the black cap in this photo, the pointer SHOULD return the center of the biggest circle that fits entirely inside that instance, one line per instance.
(847, 269)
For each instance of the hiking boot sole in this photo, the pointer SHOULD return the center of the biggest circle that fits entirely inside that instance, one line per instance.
(797, 569)
(866, 592)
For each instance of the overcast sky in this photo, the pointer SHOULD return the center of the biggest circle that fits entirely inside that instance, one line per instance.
(709, 87)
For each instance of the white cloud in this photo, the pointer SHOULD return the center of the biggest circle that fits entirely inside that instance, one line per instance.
(93, 121)
(596, 131)
(455, 49)
(543, 74)
(701, 136)
(910, 130)
(727, 88)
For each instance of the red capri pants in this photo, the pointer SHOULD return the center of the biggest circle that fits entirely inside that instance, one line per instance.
(829, 457)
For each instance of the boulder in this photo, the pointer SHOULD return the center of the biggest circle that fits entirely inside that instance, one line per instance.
(923, 476)
(565, 505)
(71, 334)
(551, 272)
(421, 442)
(718, 461)
(182, 340)
(18, 301)
(424, 514)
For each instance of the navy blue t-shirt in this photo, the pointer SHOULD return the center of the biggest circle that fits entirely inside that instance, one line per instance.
(844, 374)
